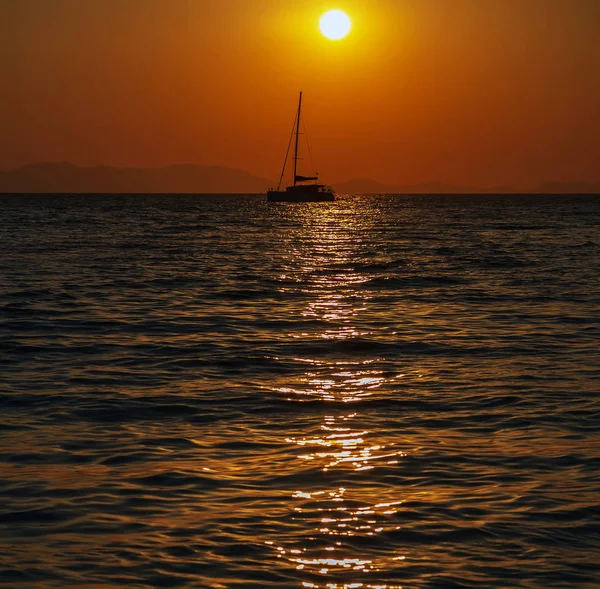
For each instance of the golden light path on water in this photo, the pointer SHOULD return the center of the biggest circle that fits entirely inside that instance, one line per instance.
(341, 517)
(374, 393)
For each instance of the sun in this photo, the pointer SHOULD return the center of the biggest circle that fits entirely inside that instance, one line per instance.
(335, 24)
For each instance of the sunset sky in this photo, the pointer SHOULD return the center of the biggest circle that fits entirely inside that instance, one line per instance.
(477, 92)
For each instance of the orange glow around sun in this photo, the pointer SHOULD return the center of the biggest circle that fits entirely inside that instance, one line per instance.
(400, 92)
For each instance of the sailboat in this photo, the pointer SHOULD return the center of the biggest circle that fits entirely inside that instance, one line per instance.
(304, 188)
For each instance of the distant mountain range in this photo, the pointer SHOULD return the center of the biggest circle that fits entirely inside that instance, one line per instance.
(368, 186)
(182, 178)
(196, 179)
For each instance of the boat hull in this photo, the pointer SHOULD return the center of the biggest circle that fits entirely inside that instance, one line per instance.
(300, 194)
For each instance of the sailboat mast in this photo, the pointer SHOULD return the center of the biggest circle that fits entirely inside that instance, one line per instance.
(297, 137)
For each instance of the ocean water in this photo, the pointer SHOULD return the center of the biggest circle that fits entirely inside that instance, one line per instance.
(381, 392)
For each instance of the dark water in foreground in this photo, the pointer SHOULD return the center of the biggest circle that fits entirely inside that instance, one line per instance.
(380, 392)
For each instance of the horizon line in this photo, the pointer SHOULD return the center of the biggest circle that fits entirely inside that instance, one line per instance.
(540, 187)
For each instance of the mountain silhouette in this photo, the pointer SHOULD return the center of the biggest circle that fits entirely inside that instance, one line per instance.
(196, 179)
(369, 186)
(570, 188)
(181, 178)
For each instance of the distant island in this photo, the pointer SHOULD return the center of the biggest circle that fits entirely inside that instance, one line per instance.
(368, 186)
(181, 178)
(196, 179)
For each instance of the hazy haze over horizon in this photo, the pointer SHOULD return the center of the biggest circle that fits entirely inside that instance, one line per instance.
(467, 93)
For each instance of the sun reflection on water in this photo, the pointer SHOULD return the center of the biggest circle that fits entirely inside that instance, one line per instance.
(339, 386)
(341, 445)
(340, 525)
(338, 519)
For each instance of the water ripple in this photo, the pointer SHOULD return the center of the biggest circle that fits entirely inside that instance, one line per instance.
(375, 393)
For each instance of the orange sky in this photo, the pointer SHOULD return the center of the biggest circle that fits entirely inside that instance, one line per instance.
(478, 92)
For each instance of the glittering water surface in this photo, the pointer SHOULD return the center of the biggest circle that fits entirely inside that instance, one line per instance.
(373, 393)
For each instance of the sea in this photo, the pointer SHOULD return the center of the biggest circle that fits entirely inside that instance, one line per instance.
(382, 392)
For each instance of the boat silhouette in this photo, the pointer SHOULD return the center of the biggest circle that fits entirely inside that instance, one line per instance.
(304, 188)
